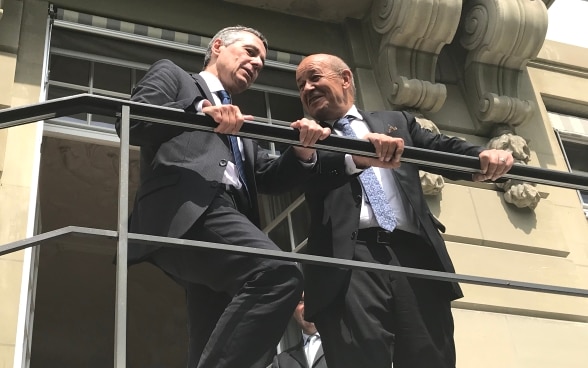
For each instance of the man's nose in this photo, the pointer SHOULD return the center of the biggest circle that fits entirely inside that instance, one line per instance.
(308, 86)
(257, 63)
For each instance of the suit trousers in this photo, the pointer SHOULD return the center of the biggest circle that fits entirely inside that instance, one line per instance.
(384, 318)
(238, 306)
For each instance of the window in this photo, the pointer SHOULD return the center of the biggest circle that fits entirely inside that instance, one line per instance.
(572, 133)
(575, 152)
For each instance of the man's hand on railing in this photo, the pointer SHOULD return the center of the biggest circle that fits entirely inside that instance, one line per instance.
(493, 164)
(309, 133)
(229, 117)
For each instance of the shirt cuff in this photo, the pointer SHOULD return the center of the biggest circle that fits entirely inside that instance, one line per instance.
(198, 105)
(310, 162)
(350, 167)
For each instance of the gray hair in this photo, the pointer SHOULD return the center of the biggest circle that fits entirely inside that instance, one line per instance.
(230, 35)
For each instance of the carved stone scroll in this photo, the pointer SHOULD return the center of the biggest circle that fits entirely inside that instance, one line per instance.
(501, 36)
(413, 34)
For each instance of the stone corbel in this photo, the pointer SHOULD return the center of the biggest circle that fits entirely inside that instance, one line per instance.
(518, 193)
(413, 34)
(501, 36)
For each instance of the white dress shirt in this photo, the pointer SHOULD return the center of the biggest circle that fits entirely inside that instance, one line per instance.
(406, 219)
(311, 346)
(231, 175)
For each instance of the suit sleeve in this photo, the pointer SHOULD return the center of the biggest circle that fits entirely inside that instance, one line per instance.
(424, 138)
(160, 86)
(282, 174)
(330, 172)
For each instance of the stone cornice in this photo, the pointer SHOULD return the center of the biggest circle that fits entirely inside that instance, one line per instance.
(501, 37)
(413, 33)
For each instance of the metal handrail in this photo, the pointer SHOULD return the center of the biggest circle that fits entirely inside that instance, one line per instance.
(87, 103)
(128, 110)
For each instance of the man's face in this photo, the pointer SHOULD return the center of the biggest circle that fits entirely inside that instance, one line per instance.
(238, 64)
(307, 327)
(324, 93)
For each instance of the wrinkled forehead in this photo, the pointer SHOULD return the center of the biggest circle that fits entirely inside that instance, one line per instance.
(309, 67)
(248, 38)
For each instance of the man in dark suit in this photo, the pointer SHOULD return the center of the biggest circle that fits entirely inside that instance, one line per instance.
(308, 353)
(373, 210)
(203, 186)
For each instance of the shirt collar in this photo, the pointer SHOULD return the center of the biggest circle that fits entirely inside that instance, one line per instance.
(305, 337)
(213, 83)
(353, 111)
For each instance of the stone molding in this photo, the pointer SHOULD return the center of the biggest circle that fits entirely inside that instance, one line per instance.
(501, 36)
(413, 34)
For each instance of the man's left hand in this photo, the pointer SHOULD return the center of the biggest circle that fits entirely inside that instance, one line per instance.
(493, 164)
(310, 133)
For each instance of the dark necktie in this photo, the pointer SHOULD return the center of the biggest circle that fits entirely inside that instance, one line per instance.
(373, 190)
(238, 158)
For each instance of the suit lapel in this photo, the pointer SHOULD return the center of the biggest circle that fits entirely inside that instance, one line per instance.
(319, 355)
(299, 356)
(249, 153)
(203, 87)
(375, 125)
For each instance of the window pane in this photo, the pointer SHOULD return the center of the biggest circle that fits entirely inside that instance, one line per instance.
(251, 103)
(69, 70)
(301, 222)
(286, 108)
(281, 236)
(112, 78)
(576, 154)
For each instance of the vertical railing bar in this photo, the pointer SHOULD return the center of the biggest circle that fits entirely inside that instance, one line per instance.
(291, 231)
(120, 332)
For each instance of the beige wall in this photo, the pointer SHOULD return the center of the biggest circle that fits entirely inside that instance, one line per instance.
(486, 236)
(20, 62)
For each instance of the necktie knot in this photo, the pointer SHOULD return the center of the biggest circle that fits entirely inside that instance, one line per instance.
(224, 97)
(344, 123)
(310, 338)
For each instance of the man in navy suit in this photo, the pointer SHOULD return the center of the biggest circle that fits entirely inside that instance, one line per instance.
(203, 186)
(308, 353)
(374, 210)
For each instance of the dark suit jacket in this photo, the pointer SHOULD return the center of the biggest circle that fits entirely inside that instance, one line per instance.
(334, 199)
(296, 358)
(181, 169)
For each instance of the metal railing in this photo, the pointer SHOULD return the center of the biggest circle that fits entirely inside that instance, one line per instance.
(127, 110)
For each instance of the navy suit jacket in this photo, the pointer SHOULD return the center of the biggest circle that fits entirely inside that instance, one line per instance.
(182, 169)
(334, 199)
(296, 358)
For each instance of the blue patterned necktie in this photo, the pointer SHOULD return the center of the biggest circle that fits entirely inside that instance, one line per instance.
(226, 100)
(373, 190)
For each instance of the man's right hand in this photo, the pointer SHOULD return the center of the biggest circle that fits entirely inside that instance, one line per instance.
(229, 117)
(388, 149)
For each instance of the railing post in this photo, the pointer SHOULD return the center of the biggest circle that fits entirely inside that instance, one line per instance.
(120, 316)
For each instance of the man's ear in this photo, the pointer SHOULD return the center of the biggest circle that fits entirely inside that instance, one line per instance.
(347, 78)
(216, 46)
